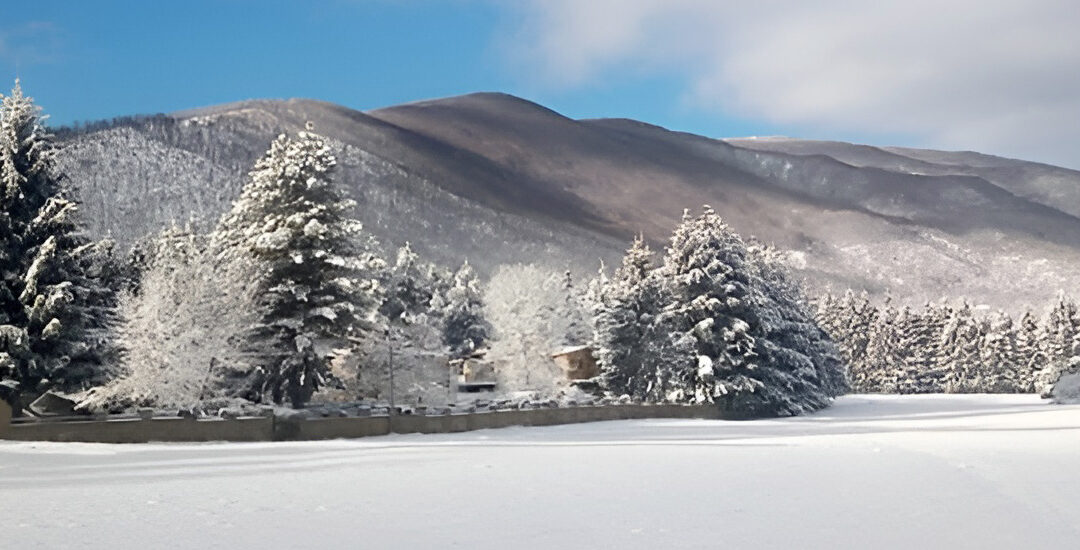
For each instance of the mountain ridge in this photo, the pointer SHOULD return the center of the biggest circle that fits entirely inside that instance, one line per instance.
(501, 179)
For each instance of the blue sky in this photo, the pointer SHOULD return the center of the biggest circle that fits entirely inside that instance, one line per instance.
(997, 76)
(92, 60)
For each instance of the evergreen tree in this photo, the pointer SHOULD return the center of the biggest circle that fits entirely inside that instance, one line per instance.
(1060, 336)
(630, 343)
(877, 374)
(69, 297)
(919, 344)
(316, 267)
(409, 288)
(461, 309)
(1030, 356)
(56, 296)
(719, 303)
(1001, 366)
(792, 336)
(965, 339)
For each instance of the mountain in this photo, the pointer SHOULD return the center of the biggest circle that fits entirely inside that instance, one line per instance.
(497, 179)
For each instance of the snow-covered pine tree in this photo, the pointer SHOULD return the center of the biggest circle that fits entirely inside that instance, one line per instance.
(877, 373)
(935, 356)
(56, 289)
(791, 336)
(920, 336)
(829, 312)
(1061, 345)
(1000, 363)
(408, 288)
(316, 265)
(863, 317)
(1029, 353)
(965, 336)
(69, 292)
(718, 304)
(460, 308)
(629, 342)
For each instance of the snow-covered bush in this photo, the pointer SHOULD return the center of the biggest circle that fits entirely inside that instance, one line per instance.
(1066, 389)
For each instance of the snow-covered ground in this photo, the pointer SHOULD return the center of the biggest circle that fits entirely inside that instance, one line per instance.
(871, 472)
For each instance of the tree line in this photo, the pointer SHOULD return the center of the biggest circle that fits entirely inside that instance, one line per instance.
(946, 348)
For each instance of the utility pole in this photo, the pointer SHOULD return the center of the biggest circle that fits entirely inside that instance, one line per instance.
(390, 347)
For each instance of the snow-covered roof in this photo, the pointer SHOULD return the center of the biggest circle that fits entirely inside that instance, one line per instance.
(570, 349)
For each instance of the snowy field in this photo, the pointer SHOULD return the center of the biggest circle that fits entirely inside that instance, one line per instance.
(871, 472)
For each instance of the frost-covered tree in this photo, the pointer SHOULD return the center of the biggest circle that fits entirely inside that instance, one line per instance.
(315, 264)
(69, 298)
(918, 334)
(632, 347)
(572, 313)
(1031, 358)
(182, 329)
(525, 305)
(55, 285)
(940, 348)
(409, 287)
(792, 338)
(851, 322)
(1061, 341)
(460, 308)
(1001, 365)
(720, 301)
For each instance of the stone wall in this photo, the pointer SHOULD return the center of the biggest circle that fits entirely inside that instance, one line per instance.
(5, 418)
(298, 429)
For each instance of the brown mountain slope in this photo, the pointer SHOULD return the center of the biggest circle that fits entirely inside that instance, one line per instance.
(496, 179)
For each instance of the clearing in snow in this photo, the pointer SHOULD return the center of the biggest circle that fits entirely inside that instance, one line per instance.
(932, 471)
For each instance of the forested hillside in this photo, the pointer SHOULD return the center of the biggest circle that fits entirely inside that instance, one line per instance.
(496, 179)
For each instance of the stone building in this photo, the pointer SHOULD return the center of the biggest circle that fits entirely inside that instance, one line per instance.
(577, 362)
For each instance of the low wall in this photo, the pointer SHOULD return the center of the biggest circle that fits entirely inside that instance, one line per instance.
(144, 431)
(5, 418)
(291, 429)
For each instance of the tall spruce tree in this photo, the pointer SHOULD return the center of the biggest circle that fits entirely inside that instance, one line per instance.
(408, 287)
(876, 374)
(460, 307)
(1061, 336)
(56, 298)
(1029, 351)
(745, 349)
(316, 265)
(631, 345)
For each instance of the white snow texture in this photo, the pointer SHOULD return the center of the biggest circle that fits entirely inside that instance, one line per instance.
(927, 471)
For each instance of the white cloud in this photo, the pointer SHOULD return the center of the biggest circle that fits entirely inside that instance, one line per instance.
(999, 76)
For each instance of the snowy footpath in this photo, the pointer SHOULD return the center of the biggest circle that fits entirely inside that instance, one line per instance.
(871, 472)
